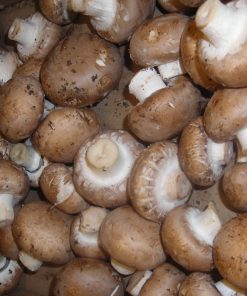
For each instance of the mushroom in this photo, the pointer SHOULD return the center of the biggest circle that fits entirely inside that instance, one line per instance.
(58, 188)
(102, 166)
(222, 50)
(187, 235)
(114, 20)
(163, 281)
(42, 235)
(9, 61)
(78, 76)
(21, 108)
(157, 184)
(5, 148)
(226, 289)
(87, 277)
(61, 133)
(123, 238)
(163, 111)
(10, 275)
(35, 36)
(85, 231)
(173, 6)
(14, 187)
(225, 116)
(31, 67)
(8, 246)
(202, 159)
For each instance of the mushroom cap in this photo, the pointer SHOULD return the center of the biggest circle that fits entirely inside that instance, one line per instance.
(21, 108)
(174, 6)
(122, 236)
(58, 188)
(165, 113)
(78, 76)
(190, 58)
(156, 42)
(107, 188)
(43, 232)
(229, 251)
(182, 245)
(198, 283)
(155, 169)
(8, 247)
(10, 277)
(30, 68)
(235, 188)
(87, 277)
(62, 132)
(225, 114)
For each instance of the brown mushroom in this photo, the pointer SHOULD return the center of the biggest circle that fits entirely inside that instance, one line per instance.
(102, 166)
(187, 235)
(157, 184)
(8, 247)
(62, 132)
(131, 240)
(77, 76)
(31, 67)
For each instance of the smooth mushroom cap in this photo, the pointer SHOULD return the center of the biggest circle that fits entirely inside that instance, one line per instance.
(156, 42)
(8, 247)
(201, 159)
(78, 76)
(156, 184)
(122, 236)
(58, 188)
(229, 251)
(21, 108)
(165, 113)
(198, 283)
(87, 277)
(62, 132)
(106, 186)
(30, 68)
(43, 232)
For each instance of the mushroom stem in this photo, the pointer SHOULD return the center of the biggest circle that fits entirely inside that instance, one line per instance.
(144, 83)
(227, 289)
(8, 64)
(171, 69)
(6, 209)
(204, 224)
(121, 268)
(29, 262)
(136, 284)
(242, 138)
(91, 219)
(222, 24)
(102, 154)
(26, 156)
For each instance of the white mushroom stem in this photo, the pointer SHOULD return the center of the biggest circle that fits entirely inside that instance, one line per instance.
(121, 268)
(223, 25)
(137, 282)
(6, 209)
(226, 289)
(26, 156)
(8, 270)
(144, 83)
(3, 263)
(242, 138)
(91, 219)
(8, 64)
(102, 12)
(171, 69)
(34, 176)
(204, 224)
(29, 262)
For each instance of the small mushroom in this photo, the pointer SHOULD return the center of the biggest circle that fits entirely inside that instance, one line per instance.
(187, 235)
(78, 76)
(8, 246)
(42, 235)
(35, 36)
(58, 188)
(9, 61)
(85, 231)
(62, 132)
(131, 240)
(102, 166)
(87, 277)
(157, 184)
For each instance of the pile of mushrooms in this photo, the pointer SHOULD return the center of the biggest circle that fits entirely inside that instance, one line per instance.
(113, 204)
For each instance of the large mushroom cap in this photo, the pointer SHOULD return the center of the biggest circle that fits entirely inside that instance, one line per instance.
(132, 240)
(77, 76)
(62, 132)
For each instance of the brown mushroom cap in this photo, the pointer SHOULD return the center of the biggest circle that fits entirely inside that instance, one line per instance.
(21, 108)
(87, 277)
(131, 240)
(165, 113)
(198, 283)
(62, 132)
(156, 183)
(8, 247)
(43, 232)
(77, 76)
(58, 188)
(156, 42)
(5, 148)
(30, 68)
